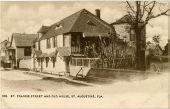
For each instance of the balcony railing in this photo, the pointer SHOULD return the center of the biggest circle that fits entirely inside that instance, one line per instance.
(87, 62)
(75, 49)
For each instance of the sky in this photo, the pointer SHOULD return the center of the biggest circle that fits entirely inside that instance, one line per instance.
(28, 17)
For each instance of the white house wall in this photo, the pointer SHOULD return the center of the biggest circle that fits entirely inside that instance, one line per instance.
(60, 40)
(67, 40)
(123, 31)
(59, 64)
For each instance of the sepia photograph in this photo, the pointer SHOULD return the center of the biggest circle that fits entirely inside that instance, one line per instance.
(84, 54)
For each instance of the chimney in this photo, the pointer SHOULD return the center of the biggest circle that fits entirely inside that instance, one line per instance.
(97, 13)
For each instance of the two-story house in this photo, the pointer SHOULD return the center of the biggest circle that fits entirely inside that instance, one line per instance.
(73, 41)
(20, 48)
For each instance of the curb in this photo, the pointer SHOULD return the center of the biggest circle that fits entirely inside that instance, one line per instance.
(58, 77)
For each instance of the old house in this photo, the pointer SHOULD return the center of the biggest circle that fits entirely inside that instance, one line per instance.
(154, 50)
(126, 33)
(73, 41)
(20, 48)
(4, 61)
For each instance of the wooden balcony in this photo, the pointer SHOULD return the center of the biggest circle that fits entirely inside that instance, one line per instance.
(75, 49)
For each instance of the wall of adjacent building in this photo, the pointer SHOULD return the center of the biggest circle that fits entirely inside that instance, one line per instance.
(26, 64)
(123, 31)
(20, 54)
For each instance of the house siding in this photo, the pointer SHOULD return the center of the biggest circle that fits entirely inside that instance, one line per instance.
(20, 54)
(123, 31)
(59, 63)
(60, 41)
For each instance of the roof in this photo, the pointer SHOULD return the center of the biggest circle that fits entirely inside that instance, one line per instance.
(38, 53)
(44, 55)
(63, 51)
(124, 19)
(43, 29)
(22, 39)
(81, 21)
(53, 54)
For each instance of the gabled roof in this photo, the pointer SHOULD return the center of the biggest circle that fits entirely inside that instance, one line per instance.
(38, 53)
(63, 51)
(124, 19)
(22, 39)
(81, 21)
(43, 29)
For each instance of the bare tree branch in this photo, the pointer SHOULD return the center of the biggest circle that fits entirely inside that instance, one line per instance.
(149, 3)
(155, 16)
(130, 7)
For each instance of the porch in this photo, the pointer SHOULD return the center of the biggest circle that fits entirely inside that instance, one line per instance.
(87, 44)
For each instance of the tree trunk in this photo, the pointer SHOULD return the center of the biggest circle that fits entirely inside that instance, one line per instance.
(140, 54)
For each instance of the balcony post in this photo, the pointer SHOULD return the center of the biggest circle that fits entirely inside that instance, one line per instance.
(89, 62)
(76, 61)
(82, 62)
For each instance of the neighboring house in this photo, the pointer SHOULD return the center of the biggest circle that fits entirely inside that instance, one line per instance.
(4, 61)
(154, 50)
(73, 41)
(20, 48)
(126, 33)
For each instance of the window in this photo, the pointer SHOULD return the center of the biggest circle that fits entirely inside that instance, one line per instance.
(132, 35)
(27, 52)
(39, 48)
(38, 59)
(54, 43)
(90, 23)
(64, 41)
(74, 41)
(48, 43)
(58, 26)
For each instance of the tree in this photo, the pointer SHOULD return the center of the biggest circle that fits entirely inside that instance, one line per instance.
(156, 39)
(166, 49)
(141, 12)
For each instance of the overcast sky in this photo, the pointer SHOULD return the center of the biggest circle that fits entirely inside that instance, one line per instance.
(28, 17)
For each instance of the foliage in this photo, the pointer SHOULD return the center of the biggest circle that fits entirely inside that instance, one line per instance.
(156, 39)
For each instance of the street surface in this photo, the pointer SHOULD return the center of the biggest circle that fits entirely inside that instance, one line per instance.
(138, 91)
(17, 80)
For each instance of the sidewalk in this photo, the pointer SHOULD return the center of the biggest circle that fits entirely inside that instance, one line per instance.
(55, 76)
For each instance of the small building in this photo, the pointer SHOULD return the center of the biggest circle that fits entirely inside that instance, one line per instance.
(20, 48)
(73, 41)
(154, 50)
